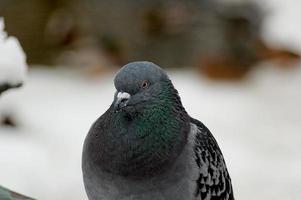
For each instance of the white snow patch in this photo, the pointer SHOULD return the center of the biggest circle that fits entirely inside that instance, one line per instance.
(13, 65)
(281, 27)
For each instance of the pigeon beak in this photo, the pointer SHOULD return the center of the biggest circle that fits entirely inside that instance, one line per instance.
(121, 101)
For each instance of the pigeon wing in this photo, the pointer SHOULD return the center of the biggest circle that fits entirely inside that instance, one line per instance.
(213, 181)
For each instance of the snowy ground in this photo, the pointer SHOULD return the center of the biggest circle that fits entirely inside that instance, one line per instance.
(256, 122)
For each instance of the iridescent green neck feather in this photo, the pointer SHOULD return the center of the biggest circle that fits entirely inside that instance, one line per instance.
(144, 143)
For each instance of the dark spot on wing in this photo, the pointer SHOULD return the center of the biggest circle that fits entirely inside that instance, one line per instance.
(213, 182)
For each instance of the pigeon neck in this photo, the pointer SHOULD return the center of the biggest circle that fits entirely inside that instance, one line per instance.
(148, 144)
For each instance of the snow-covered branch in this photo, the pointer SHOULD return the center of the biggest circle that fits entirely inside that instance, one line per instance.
(13, 66)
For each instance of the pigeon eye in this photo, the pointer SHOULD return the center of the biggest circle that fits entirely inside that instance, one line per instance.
(144, 84)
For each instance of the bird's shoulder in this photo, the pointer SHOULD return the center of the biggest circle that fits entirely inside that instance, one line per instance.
(213, 180)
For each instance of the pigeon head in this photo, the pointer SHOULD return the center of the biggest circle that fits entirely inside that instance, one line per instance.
(139, 85)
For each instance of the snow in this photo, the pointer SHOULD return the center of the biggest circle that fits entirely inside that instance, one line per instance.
(256, 122)
(281, 27)
(13, 65)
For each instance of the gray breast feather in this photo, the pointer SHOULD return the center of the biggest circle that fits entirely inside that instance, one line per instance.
(213, 180)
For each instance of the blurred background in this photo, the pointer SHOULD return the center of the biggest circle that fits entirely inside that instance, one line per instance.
(236, 64)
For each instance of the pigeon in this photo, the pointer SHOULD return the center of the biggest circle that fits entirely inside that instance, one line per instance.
(147, 147)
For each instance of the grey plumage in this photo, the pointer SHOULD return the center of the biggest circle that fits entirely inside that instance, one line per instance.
(146, 146)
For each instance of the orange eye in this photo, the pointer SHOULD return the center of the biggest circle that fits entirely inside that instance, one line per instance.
(145, 84)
